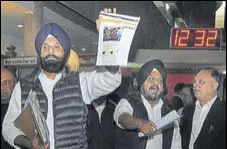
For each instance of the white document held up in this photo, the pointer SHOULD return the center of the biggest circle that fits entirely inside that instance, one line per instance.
(115, 37)
(167, 119)
(164, 121)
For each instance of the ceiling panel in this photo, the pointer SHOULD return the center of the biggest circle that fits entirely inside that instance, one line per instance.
(12, 14)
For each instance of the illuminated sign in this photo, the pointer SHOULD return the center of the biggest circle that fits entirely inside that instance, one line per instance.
(199, 38)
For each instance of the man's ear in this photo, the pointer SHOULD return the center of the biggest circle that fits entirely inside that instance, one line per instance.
(215, 85)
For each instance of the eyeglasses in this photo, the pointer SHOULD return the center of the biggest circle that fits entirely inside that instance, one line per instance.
(47, 47)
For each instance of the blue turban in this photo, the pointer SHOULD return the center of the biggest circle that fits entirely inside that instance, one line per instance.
(55, 31)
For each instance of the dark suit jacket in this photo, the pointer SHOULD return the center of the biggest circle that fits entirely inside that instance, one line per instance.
(213, 131)
(102, 135)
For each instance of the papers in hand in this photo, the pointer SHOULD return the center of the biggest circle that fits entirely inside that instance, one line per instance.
(32, 119)
(115, 36)
(164, 121)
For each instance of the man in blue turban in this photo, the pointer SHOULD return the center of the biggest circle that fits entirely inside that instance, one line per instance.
(62, 94)
(49, 31)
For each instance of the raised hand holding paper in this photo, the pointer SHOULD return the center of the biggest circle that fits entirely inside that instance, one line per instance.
(115, 36)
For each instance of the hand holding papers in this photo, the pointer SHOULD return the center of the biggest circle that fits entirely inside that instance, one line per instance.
(31, 119)
(164, 121)
(115, 36)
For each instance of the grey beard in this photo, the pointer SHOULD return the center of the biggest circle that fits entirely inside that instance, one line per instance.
(150, 99)
(5, 97)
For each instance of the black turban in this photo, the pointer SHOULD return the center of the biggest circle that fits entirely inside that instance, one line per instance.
(147, 68)
(55, 31)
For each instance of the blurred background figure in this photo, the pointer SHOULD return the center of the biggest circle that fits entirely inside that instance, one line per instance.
(73, 61)
(101, 126)
(8, 81)
(176, 100)
(133, 85)
(187, 96)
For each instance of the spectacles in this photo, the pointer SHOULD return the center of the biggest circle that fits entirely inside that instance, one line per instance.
(47, 47)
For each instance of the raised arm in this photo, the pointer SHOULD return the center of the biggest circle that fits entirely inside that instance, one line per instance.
(98, 83)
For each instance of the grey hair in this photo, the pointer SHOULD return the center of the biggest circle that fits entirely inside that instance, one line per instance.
(214, 74)
(13, 76)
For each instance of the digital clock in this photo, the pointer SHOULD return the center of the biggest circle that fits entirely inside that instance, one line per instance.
(195, 38)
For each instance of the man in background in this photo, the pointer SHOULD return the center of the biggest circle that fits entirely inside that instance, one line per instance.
(101, 125)
(8, 82)
(188, 96)
(176, 100)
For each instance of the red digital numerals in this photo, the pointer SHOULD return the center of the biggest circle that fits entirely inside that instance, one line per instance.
(201, 38)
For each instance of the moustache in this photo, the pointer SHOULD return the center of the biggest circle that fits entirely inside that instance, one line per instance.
(154, 88)
(51, 56)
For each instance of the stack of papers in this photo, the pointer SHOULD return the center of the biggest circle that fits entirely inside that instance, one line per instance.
(31, 120)
(115, 36)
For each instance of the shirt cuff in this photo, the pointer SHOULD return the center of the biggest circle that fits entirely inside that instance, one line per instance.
(14, 132)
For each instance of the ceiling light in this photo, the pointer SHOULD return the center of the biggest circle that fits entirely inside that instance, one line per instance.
(20, 26)
(83, 49)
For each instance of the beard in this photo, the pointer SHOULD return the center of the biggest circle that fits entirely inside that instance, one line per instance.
(152, 94)
(52, 63)
(5, 97)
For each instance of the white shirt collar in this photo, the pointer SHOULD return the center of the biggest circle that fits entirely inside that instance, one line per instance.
(57, 77)
(207, 105)
(157, 106)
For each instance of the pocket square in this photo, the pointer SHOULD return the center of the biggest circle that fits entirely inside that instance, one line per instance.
(211, 129)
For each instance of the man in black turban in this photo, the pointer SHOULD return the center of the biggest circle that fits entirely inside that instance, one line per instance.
(62, 94)
(137, 114)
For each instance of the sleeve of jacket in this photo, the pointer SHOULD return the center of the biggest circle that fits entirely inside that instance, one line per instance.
(223, 132)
